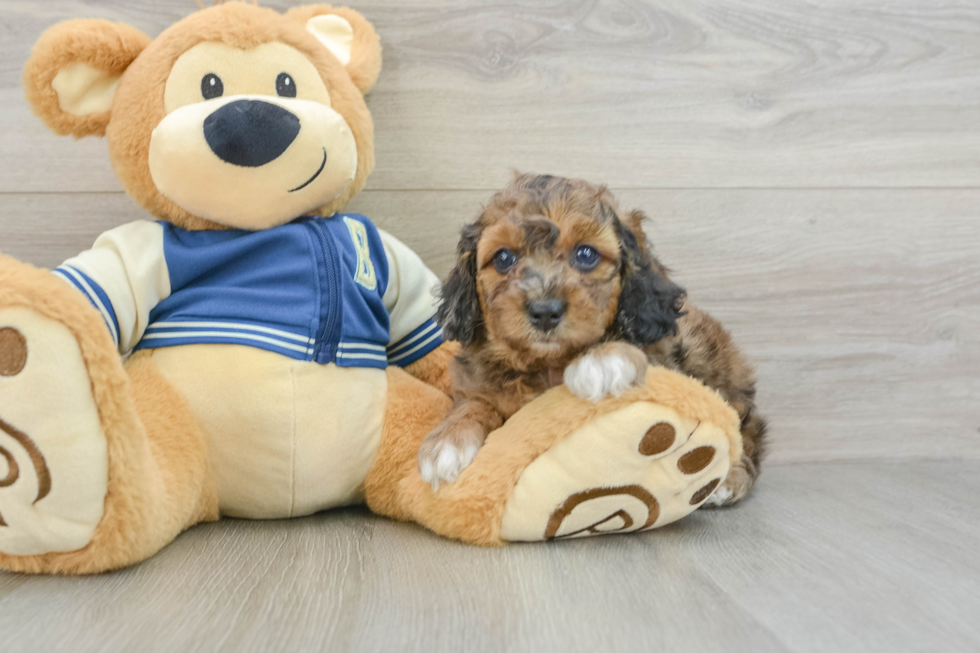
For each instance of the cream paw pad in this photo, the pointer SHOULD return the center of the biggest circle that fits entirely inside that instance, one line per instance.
(53, 462)
(633, 468)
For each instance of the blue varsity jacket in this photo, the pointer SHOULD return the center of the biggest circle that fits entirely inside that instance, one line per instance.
(328, 290)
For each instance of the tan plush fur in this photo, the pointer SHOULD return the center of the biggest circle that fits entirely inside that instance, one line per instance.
(157, 464)
(471, 508)
(159, 480)
(176, 446)
(138, 104)
(414, 408)
(434, 368)
(159, 476)
(99, 43)
(365, 64)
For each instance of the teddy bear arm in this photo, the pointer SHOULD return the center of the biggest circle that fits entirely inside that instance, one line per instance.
(411, 298)
(124, 276)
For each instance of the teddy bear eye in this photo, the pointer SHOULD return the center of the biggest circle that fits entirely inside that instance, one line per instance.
(285, 86)
(211, 86)
(504, 260)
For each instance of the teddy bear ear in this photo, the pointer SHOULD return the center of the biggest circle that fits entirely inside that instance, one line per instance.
(348, 36)
(71, 77)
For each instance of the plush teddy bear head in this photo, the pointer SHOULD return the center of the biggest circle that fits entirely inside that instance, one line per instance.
(237, 116)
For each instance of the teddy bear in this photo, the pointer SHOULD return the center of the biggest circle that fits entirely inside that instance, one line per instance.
(254, 351)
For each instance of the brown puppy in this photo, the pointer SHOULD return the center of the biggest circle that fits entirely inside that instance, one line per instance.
(552, 285)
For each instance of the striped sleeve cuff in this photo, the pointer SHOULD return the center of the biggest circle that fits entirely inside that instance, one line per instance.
(96, 295)
(170, 334)
(361, 354)
(416, 344)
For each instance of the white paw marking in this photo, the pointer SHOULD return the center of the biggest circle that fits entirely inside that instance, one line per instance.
(444, 462)
(720, 497)
(593, 376)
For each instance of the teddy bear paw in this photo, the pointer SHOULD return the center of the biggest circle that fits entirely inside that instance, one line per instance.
(53, 458)
(632, 469)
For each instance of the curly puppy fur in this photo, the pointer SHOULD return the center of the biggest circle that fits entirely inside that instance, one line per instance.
(625, 301)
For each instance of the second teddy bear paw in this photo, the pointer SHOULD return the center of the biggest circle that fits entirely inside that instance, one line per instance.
(639, 467)
(53, 460)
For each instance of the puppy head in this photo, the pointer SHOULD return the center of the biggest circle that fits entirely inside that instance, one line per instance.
(549, 269)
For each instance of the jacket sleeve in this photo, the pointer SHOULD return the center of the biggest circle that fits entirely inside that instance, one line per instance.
(124, 276)
(411, 298)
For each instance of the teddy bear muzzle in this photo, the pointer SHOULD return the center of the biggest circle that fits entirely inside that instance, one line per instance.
(251, 161)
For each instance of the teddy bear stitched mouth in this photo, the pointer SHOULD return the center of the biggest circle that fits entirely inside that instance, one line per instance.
(309, 181)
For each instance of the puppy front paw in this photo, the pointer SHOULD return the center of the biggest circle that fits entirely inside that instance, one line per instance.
(444, 454)
(611, 368)
(741, 477)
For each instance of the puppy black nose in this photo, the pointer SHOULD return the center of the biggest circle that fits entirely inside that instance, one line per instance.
(545, 314)
(250, 133)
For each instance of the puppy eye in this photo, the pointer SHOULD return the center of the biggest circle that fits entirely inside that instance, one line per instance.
(211, 86)
(285, 86)
(504, 260)
(586, 257)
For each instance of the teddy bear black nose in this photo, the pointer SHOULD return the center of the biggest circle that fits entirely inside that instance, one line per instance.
(250, 133)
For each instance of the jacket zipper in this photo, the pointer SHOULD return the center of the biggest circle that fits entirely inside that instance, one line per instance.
(331, 322)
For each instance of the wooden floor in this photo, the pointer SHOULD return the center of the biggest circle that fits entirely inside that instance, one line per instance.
(812, 170)
(826, 557)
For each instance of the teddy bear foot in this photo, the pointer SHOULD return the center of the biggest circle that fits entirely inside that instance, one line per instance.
(53, 460)
(632, 469)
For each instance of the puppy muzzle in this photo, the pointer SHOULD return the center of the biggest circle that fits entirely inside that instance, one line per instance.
(546, 314)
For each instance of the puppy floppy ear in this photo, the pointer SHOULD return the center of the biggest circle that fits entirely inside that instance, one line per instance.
(71, 78)
(348, 36)
(649, 303)
(459, 312)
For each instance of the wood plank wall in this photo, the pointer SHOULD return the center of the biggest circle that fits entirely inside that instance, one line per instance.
(812, 171)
